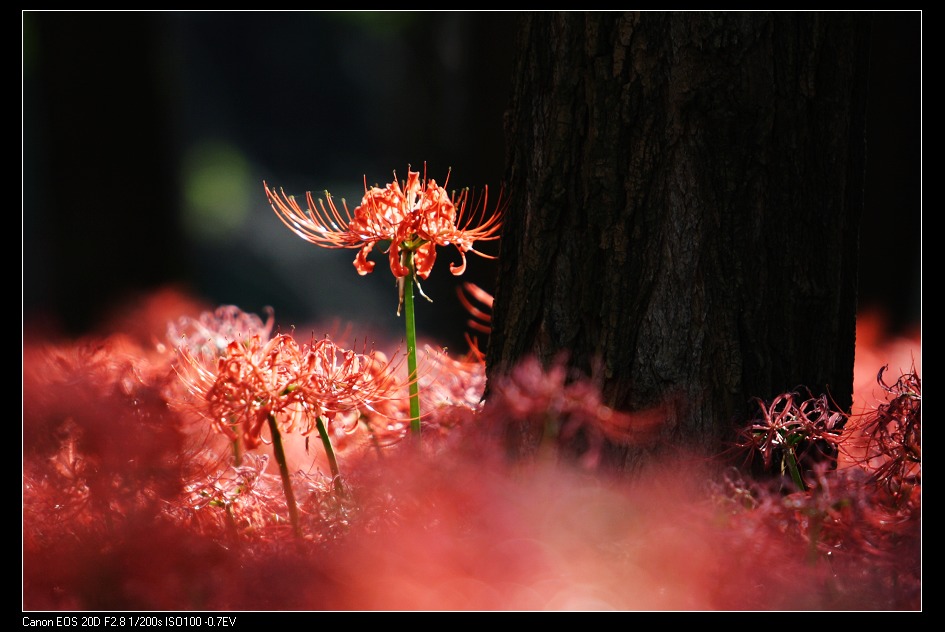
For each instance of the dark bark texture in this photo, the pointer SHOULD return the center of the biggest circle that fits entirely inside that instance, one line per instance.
(685, 191)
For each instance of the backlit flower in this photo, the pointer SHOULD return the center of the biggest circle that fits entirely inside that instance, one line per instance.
(296, 384)
(211, 332)
(415, 216)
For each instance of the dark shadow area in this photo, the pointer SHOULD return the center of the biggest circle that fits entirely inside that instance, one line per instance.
(128, 117)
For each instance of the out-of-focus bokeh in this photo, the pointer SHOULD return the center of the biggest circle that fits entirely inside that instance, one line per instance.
(147, 137)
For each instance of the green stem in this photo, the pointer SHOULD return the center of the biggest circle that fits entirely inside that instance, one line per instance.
(332, 462)
(411, 346)
(284, 471)
(791, 464)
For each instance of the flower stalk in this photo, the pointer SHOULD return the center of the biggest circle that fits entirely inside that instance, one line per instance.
(411, 324)
(289, 387)
(412, 218)
(789, 462)
(330, 453)
(279, 451)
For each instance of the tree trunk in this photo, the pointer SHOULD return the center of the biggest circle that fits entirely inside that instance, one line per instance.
(685, 196)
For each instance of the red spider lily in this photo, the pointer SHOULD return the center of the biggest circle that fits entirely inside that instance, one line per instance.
(342, 384)
(795, 433)
(249, 382)
(453, 389)
(416, 217)
(295, 384)
(120, 514)
(546, 406)
(211, 332)
(892, 435)
(248, 499)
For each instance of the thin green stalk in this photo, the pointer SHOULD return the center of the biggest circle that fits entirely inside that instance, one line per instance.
(791, 464)
(411, 346)
(284, 471)
(332, 462)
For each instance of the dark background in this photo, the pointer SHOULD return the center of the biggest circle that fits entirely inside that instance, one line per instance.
(147, 136)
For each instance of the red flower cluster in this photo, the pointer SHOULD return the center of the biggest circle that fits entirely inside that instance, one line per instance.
(791, 433)
(121, 511)
(296, 384)
(888, 442)
(535, 406)
(414, 217)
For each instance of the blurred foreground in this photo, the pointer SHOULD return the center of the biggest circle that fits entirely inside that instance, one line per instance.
(131, 504)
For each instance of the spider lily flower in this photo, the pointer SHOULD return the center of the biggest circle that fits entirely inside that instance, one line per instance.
(297, 385)
(342, 384)
(211, 332)
(251, 380)
(793, 434)
(414, 217)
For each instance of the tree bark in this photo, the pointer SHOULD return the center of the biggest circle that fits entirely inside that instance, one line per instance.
(685, 191)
